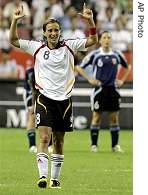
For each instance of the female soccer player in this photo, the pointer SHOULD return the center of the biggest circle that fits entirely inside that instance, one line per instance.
(54, 79)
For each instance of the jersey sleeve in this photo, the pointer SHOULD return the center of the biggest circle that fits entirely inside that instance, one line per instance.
(122, 58)
(88, 60)
(77, 44)
(29, 46)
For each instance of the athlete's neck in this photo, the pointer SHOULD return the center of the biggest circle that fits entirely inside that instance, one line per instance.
(106, 49)
(52, 45)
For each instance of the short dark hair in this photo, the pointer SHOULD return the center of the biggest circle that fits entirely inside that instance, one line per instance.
(105, 31)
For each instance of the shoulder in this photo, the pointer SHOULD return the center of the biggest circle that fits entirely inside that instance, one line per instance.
(120, 55)
(76, 40)
(29, 41)
(118, 52)
(94, 53)
(32, 43)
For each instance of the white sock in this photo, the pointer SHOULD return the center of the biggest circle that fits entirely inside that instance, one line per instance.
(42, 162)
(56, 165)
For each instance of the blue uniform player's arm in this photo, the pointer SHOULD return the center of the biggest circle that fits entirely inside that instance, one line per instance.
(127, 69)
(86, 62)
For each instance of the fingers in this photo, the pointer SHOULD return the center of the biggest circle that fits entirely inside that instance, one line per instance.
(19, 10)
(80, 14)
(22, 8)
(84, 6)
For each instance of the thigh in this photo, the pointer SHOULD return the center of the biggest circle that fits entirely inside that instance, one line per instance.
(44, 131)
(96, 117)
(114, 118)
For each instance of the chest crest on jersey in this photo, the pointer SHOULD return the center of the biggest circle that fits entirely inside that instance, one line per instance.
(100, 63)
(114, 61)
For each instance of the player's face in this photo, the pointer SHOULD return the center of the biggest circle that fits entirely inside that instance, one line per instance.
(105, 40)
(52, 33)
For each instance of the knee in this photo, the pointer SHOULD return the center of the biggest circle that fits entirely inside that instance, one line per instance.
(44, 138)
(114, 120)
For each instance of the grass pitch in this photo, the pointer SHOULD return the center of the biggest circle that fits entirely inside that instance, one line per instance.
(83, 172)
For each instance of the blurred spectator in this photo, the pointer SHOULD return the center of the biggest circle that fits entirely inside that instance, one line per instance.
(38, 8)
(100, 5)
(102, 13)
(107, 23)
(127, 21)
(4, 32)
(11, 6)
(4, 2)
(78, 4)
(69, 13)
(121, 38)
(56, 9)
(129, 13)
(73, 32)
(129, 7)
(25, 22)
(37, 30)
(122, 4)
(8, 68)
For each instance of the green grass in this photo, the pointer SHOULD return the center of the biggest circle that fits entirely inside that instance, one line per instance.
(83, 172)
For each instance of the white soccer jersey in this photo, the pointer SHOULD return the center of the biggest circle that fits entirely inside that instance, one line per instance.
(54, 68)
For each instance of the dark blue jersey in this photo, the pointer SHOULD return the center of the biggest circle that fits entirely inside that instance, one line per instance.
(105, 65)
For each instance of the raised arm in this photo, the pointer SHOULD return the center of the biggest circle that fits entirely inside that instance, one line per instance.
(13, 36)
(87, 14)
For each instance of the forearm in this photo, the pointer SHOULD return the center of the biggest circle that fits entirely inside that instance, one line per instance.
(126, 73)
(82, 73)
(13, 36)
(93, 37)
(87, 14)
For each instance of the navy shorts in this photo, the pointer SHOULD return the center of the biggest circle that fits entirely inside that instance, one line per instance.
(54, 114)
(29, 87)
(105, 99)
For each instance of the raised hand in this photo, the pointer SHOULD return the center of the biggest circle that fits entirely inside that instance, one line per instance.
(86, 13)
(18, 13)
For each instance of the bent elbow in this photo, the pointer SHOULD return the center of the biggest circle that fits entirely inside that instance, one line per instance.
(14, 42)
(92, 41)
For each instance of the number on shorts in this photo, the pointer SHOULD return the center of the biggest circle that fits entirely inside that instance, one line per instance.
(38, 118)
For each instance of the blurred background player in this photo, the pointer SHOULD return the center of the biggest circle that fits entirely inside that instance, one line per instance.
(105, 96)
(29, 99)
(8, 67)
